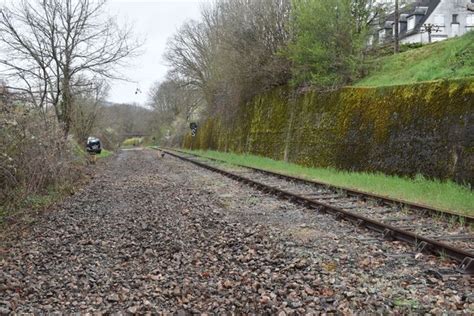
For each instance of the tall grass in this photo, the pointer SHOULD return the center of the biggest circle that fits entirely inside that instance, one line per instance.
(444, 195)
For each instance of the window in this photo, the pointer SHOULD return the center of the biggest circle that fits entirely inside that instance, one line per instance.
(411, 23)
(381, 35)
(455, 19)
(470, 20)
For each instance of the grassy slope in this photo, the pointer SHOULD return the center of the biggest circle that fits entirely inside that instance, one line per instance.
(442, 195)
(450, 59)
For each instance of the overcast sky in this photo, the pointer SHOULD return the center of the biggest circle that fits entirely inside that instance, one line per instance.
(156, 21)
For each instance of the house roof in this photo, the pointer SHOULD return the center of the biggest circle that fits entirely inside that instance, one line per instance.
(422, 8)
(429, 8)
(420, 11)
(403, 17)
(388, 24)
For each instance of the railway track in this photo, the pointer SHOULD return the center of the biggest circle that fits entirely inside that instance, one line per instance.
(427, 229)
(424, 210)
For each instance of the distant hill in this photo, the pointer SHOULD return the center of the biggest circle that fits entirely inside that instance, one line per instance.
(450, 59)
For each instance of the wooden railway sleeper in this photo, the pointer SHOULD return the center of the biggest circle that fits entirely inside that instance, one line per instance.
(340, 216)
(388, 234)
(422, 246)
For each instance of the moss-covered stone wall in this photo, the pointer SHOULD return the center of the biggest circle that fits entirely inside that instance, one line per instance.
(424, 129)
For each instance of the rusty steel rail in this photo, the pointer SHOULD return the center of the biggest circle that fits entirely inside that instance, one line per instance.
(385, 200)
(422, 244)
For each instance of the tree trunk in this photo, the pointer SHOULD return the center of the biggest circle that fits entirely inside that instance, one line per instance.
(66, 106)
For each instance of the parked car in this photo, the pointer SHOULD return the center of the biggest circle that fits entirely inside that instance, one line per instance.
(93, 145)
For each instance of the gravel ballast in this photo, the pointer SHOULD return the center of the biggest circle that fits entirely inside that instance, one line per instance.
(157, 235)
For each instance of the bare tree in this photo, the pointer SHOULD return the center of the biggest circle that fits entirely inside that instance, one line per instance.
(87, 105)
(366, 13)
(234, 53)
(56, 47)
(253, 33)
(191, 53)
(430, 29)
(172, 98)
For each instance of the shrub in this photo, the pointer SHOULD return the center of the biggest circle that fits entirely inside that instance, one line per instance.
(35, 156)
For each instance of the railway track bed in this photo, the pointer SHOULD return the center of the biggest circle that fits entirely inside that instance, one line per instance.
(155, 235)
(428, 230)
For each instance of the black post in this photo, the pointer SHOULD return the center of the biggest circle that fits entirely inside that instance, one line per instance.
(397, 28)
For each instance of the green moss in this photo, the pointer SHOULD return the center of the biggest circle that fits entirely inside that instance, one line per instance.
(404, 130)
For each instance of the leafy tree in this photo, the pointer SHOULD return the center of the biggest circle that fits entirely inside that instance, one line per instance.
(327, 42)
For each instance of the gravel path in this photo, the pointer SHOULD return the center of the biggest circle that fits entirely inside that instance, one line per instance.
(153, 235)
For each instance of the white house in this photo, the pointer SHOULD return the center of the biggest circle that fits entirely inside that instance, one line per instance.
(447, 18)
